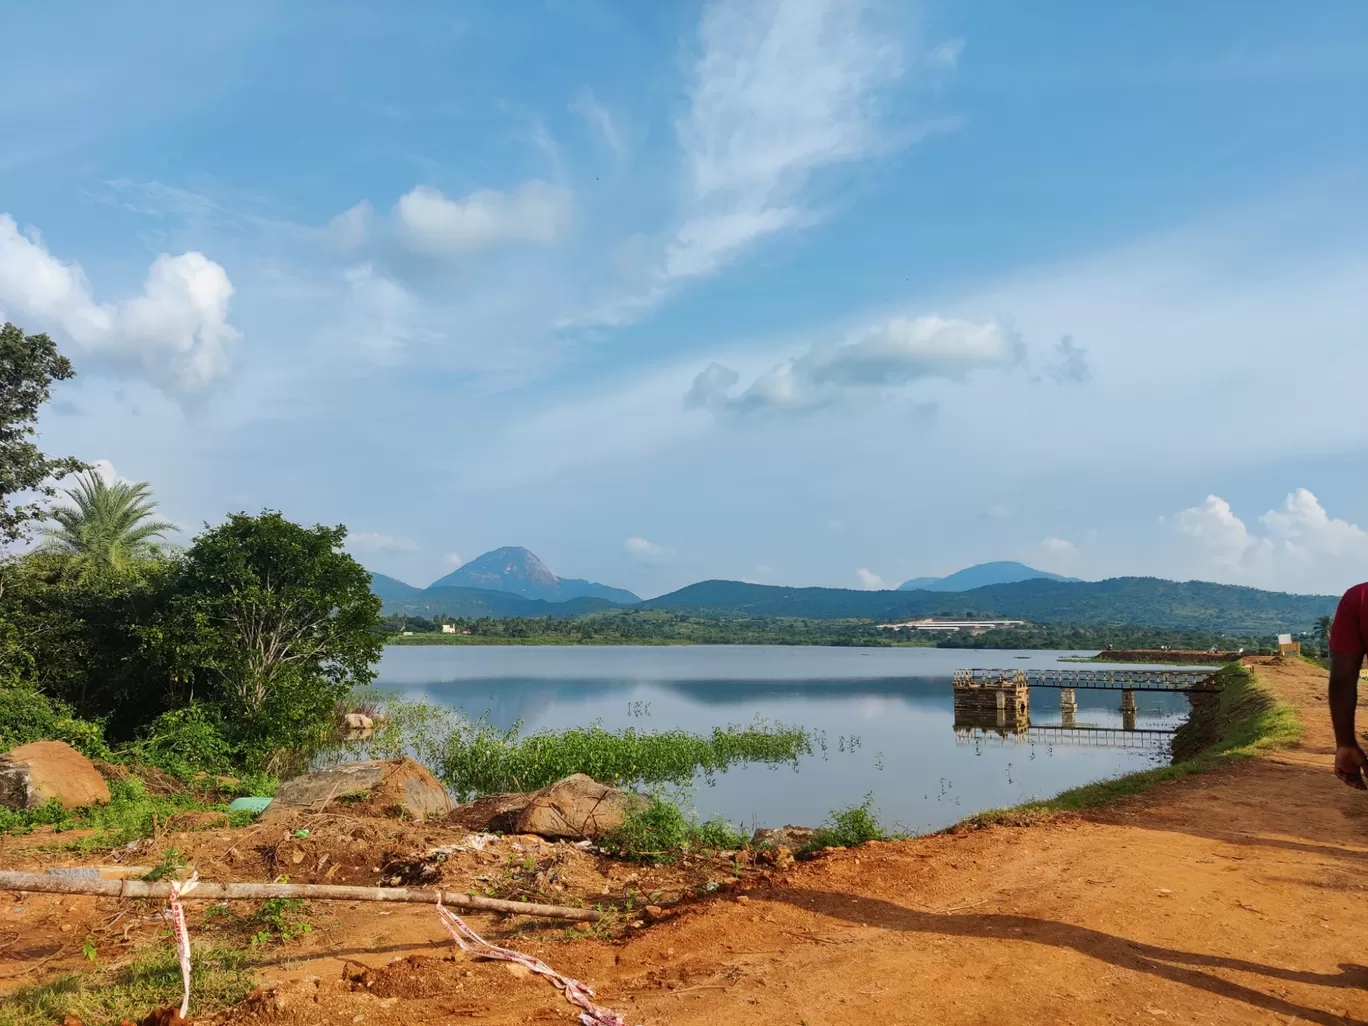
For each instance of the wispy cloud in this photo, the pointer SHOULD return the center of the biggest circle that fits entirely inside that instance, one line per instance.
(1069, 363)
(780, 90)
(370, 541)
(587, 106)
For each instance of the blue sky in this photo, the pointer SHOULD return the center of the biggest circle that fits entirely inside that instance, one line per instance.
(801, 293)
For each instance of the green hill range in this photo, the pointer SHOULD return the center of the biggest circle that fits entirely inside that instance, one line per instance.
(513, 582)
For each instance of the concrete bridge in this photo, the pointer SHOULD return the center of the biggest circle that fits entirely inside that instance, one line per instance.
(1002, 697)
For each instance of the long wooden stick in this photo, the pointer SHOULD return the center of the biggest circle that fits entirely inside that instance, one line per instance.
(46, 883)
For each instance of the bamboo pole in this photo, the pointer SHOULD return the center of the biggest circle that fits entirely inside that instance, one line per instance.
(45, 883)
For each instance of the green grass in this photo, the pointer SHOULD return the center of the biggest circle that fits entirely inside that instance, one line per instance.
(221, 978)
(1245, 719)
(131, 814)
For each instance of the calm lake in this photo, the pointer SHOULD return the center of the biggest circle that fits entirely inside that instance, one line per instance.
(885, 716)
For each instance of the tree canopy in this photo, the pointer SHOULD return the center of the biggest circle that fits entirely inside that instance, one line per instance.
(276, 623)
(108, 524)
(29, 364)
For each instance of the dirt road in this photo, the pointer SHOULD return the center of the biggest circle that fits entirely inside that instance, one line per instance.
(1234, 897)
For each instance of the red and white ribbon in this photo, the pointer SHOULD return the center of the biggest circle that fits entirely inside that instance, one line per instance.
(575, 992)
(180, 888)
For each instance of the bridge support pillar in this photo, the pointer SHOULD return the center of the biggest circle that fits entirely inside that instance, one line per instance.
(1068, 706)
(1128, 710)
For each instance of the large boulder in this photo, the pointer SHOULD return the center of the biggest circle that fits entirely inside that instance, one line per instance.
(577, 808)
(33, 774)
(387, 786)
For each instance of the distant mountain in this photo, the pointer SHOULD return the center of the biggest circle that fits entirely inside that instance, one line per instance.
(516, 570)
(475, 602)
(980, 576)
(390, 589)
(1132, 601)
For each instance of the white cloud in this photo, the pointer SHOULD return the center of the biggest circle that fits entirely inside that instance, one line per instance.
(370, 541)
(999, 512)
(431, 223)
(647, 551)
(1059, 546)
(889, 355)
(1219, 532)
(1303, 530)
(870, 580)
(176, 333)
(454, 559)
(105, 471)
(1301, 548)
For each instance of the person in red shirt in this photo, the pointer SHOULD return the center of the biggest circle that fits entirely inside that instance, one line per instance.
(1348, 643)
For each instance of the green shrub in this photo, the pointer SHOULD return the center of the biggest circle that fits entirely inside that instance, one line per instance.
(658, 833)
(185, 742)
(847, 828)
(27, 715)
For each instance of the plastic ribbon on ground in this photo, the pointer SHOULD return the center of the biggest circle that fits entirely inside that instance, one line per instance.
(179, 888)
(575, 992)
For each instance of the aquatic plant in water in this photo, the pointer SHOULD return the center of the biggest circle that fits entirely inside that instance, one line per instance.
(475, 757)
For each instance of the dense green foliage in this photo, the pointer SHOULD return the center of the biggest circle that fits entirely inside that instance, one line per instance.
(109, 525)
(1063, 637)
(647, 627)
(474, 757)
(29, 364)
(1134, 601)
(273, 622)
(229, 657)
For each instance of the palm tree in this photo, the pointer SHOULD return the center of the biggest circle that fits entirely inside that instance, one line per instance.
(1323, 626)
(109, 525)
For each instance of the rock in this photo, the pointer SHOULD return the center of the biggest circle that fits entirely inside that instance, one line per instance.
(577, 808)
(187, 821)
(33, 774)
(790, 837)
(359, 721)
(389, 785)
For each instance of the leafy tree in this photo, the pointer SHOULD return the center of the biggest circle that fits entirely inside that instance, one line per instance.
(82, 626)
(29, 364)
(109, 525)
(1323, 626)
(276, 623)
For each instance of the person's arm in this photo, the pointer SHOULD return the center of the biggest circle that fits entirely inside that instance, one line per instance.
(1346, 661)
(1350, 762)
